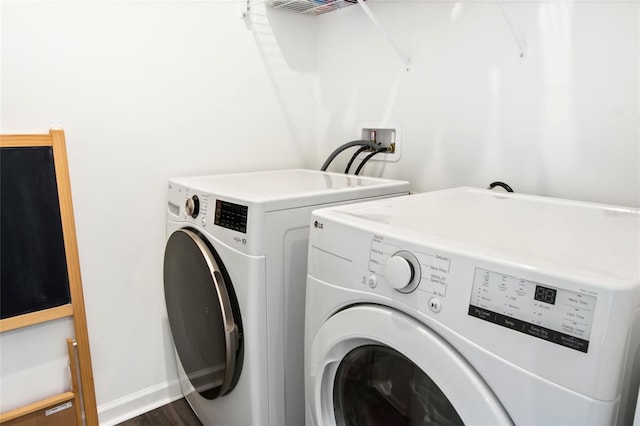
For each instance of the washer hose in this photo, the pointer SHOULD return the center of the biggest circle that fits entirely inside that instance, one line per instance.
(368, 157)
(347, 145)
(353, 158)
(501, 185)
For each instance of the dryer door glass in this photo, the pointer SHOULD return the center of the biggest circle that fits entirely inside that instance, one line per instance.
(372, 365)
(203, 314)
(376, 385)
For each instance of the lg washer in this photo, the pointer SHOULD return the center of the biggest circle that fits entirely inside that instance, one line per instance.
(234, 281)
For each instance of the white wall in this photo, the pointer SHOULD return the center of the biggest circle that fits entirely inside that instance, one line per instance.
(145, 90)
(561, 121)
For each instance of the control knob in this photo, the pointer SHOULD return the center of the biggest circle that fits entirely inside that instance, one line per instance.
(402, 272)
(192, 206)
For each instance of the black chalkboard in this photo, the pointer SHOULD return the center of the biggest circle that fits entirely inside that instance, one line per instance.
(33, 267)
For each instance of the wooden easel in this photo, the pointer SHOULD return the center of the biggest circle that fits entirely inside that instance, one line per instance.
(83, 393)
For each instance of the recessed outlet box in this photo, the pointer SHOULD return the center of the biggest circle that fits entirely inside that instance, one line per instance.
(383, 134)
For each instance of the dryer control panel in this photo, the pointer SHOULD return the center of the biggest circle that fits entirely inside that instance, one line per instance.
(429, 270)
(554, 314)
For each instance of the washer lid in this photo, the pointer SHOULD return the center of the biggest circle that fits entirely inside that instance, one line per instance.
(282, 189)
(526, 229)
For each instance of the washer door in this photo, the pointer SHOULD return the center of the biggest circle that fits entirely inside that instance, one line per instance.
(203, 314)
(371, 365)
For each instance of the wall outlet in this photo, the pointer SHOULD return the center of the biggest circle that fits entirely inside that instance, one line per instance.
(383, 134)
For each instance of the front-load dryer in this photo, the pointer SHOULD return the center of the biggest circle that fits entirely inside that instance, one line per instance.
(234, 280)
(467, 306)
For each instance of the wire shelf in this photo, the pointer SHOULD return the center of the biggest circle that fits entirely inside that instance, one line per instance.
(310, 7)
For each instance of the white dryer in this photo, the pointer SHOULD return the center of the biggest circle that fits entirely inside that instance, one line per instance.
(234, 280)
(466, 306)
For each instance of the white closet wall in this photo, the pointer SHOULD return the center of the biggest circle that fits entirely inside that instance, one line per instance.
(145, 90)
(564, 120)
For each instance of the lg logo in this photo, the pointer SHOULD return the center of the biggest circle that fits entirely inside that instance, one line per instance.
(318, 225)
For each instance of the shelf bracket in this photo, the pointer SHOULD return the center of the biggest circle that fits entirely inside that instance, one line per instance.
(522, 46)
(245, 8)
(405, 59)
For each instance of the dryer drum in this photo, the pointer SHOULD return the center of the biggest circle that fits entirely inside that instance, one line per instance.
(376, 385)
(203, 314)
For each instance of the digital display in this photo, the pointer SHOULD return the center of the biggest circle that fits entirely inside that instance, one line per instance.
(545, 294)
(231, 216)
(556, 315)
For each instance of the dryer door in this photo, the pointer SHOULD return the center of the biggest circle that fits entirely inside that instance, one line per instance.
(203, 314)
(370, 365)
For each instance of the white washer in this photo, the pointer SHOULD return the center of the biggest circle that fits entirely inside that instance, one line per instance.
(467, 306)
(234, 279)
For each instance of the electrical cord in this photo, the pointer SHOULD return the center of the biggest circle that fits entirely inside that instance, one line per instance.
(501, 185)
(353, 158)
(368, 157)
(342, 147)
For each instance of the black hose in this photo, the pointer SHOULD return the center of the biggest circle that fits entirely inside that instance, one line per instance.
(342, 147)
(501, 185)
(353, 158)
(368, 157)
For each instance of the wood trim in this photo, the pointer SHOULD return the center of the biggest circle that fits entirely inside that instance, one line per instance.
(75, 385)
(36, 317)
(75, 280)
(36, 406)
(19, 141)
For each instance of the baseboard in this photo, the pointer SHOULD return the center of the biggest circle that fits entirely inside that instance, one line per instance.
(137, 403)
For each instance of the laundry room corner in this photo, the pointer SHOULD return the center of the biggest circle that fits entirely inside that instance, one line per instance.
(543, 95)
(209, 121)
(145, 91)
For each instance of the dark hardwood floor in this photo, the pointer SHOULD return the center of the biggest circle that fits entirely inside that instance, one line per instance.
(178, 413)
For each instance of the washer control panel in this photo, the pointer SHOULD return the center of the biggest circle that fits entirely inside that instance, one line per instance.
(231, 216)
(196, 206)
(557, 315)
(192, 206)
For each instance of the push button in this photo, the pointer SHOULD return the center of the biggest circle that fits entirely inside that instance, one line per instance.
(435, 305)
(372, 281)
